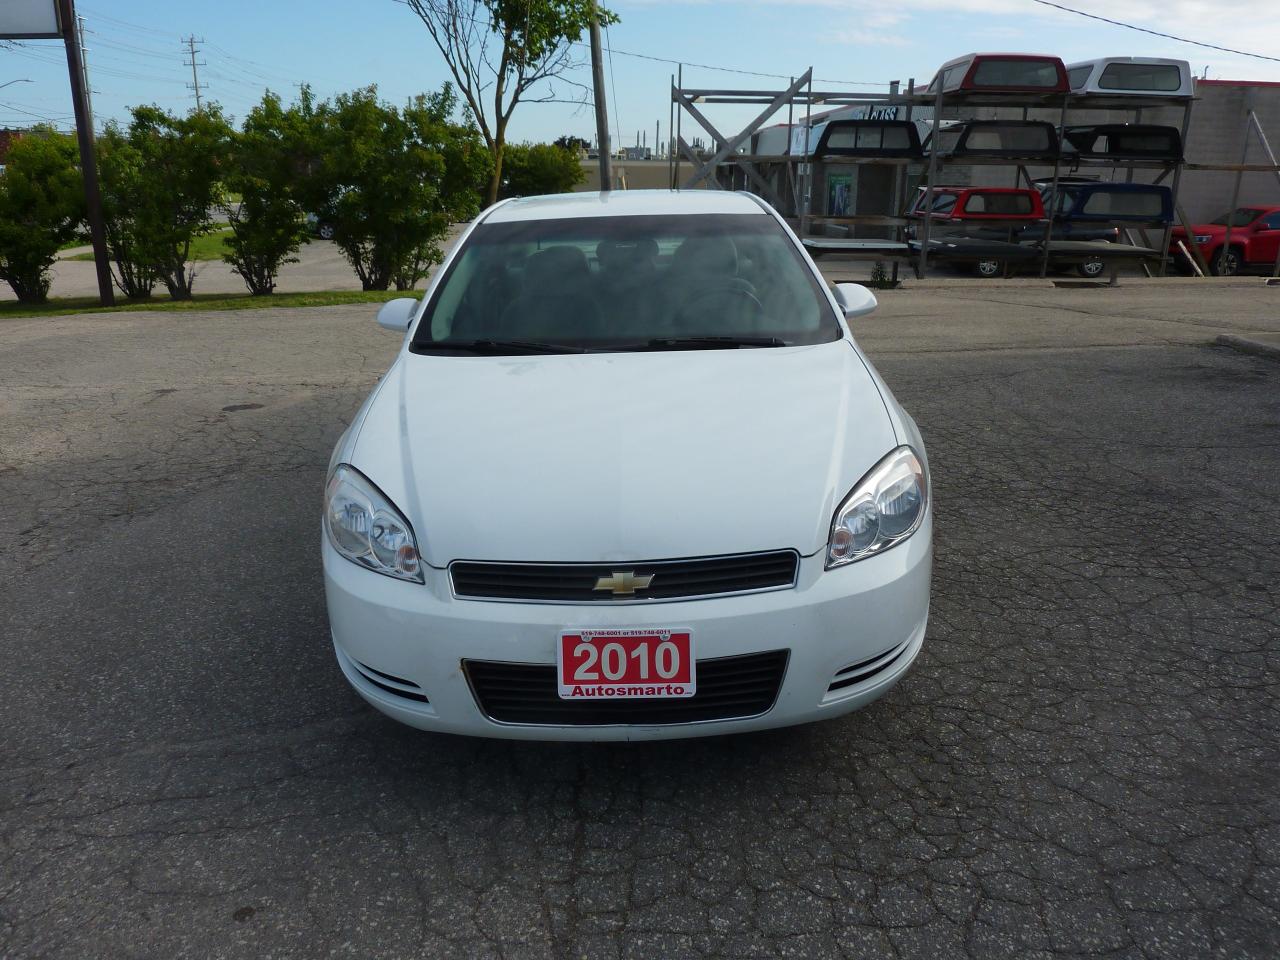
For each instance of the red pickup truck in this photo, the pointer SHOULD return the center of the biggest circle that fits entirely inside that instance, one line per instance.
(1255, 241)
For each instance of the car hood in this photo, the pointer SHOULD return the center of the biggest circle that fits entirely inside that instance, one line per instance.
(623, 456)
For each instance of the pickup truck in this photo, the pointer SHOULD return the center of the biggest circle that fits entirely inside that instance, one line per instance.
(1255, 241)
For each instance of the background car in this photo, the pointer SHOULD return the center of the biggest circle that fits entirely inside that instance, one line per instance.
(977, 227)
(1087, 210)
(320, 226)
(1255, 241)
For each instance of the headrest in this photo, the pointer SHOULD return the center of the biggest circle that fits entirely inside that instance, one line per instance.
(614, 254)
(554, 267)
(713, 254)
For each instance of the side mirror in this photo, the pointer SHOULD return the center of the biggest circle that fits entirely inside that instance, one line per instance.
(855, 299)
(396, 314)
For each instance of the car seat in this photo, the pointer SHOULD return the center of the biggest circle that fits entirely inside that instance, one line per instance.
(705, 295)
(627, 287)
(556, 301)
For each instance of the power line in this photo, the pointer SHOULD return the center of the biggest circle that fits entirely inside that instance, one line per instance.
(701, 66)
(1156, 33)
(28, 113)
(746, 73)
(133, 27)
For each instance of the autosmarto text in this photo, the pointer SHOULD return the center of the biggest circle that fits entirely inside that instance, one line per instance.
(600, 690)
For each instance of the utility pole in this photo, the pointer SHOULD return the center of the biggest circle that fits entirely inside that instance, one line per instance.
(84, 73)
(602, 112)
(88, 160)
(192, 50)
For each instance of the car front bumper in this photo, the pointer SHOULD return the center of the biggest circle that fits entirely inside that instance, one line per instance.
(412, 641)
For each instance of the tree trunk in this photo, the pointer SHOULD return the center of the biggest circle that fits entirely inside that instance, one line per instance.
(30, 289)
(178, 285)
(495, 181)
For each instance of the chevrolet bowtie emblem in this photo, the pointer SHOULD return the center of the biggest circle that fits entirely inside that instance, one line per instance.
(624, 583)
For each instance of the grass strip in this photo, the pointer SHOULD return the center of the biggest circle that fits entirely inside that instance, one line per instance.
(208, 301)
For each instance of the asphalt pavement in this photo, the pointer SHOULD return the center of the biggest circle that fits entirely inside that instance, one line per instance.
(1084, 761)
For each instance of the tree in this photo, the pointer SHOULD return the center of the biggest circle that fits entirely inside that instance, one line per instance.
(267, 224)
(537, 168)
(41, 208)
(569, 142)
(392, 181)
(125, 214)
(501, 52)
(160, 179)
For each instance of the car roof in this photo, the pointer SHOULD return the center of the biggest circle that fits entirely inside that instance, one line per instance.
(1146, 61)
(624, 203)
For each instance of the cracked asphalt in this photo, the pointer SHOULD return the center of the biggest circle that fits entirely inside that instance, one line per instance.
(1084, 761)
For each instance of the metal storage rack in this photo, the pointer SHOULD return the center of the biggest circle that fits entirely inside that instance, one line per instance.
(801, 176)
(1061, 103)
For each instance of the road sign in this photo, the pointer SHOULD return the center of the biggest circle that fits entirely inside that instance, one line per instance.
(30, 20)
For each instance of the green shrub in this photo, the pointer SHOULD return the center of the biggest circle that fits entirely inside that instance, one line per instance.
(530, 169)
(41, 210)
(392, 181)
(266, 219)
(160, 178)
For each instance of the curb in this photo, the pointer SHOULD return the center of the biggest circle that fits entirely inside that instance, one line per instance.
(1254, 347)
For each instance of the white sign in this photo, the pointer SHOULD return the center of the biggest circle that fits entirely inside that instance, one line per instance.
(29, 20)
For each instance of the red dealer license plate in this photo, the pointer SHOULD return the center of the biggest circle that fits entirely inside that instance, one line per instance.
(625, 664)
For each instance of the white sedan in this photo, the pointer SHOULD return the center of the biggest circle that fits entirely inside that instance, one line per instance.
(629, 477)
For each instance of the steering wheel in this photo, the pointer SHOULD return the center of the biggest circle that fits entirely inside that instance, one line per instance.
(746, 299)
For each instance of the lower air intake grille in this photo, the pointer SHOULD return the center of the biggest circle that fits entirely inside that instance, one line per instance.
(728, 687)
(866, 669)
(577, 582)
(390, 684)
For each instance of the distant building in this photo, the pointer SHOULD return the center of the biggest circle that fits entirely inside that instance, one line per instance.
(7, 139)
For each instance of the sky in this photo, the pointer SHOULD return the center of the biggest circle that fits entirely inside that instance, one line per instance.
(137, 52)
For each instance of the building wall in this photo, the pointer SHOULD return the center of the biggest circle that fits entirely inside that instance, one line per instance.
(7, 139)
(632, 175)
(1218, 124)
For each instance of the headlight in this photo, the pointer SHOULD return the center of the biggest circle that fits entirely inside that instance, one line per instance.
(366, 528)
(1204, 239)
(885, 508)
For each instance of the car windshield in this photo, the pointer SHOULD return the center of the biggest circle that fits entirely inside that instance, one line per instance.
(1241, 218)
(637, 282)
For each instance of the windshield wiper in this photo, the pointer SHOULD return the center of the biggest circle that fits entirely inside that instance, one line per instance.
(501, 347)
(710, 343)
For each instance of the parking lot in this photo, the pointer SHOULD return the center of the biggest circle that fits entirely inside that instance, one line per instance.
(1084, 761)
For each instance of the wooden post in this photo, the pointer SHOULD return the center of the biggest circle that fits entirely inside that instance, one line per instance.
(922, 264)
(1197, 255)
(602, 113)
(88, 159)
